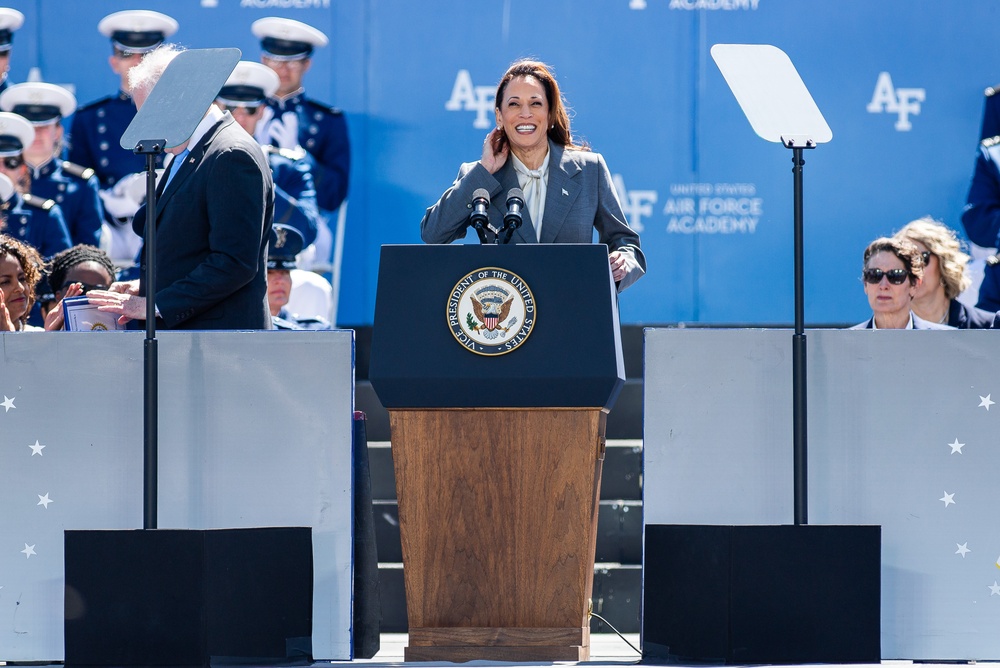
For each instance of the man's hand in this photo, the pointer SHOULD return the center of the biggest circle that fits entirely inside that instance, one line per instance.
(127, 305)
(125, 287)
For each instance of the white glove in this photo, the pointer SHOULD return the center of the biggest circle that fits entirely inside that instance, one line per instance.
(262, 132)
(285, 133)
(125, 197)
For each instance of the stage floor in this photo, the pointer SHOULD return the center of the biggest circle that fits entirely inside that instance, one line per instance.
(605, 649)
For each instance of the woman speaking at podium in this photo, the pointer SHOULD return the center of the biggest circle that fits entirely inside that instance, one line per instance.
(531, 162)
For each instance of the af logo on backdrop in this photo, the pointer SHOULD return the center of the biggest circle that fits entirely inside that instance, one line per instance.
(491, 311)
(467, 97)
(900, 101)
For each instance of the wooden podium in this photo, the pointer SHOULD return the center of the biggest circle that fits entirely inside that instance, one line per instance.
(497, 442)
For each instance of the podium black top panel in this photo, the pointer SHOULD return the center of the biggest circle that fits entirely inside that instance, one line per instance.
(526, 325)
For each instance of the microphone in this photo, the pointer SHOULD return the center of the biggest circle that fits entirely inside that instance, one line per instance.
(478, 217)
(512, 219)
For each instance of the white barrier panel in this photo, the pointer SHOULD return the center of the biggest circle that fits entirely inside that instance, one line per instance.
(902, 433)
(254, 430)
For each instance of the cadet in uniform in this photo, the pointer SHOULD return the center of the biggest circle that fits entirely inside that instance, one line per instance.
(981, 218)
(33, 220)
(245, 95)
(286, 243)
(72, 187)
(10, 21)
(97, 127)
(295, 120)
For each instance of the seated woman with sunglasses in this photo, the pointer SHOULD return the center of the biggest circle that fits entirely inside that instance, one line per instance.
(893, 269)
(73, 272)
(945, 276)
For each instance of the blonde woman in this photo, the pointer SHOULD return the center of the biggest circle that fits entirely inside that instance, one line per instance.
(945, 276)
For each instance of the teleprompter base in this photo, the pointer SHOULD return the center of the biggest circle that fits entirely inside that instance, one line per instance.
(185, 597)
(762, 594)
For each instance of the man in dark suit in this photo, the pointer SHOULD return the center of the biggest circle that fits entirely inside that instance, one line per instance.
(213, 221)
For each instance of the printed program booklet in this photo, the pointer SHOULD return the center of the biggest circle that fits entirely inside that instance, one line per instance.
(82, 316)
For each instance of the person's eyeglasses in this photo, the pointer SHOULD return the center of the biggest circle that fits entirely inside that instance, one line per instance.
(275, 63)
(895, 276)
(926, 256)
(87, 287)
(122, 55)
(13, 162)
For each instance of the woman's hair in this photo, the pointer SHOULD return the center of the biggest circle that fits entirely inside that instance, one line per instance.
(908, 254)
(63, 261)
(559, 132)
(942, 242)
(31, 264)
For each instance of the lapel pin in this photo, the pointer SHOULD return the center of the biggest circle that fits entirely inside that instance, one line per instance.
(564, 192)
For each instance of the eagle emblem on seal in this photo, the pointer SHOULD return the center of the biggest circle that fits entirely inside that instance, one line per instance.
(490, 308)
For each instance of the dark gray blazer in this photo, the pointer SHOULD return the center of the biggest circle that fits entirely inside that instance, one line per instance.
(580, 198)
(213, 223)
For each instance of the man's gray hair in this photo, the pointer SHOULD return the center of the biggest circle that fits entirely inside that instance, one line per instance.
(144, 76)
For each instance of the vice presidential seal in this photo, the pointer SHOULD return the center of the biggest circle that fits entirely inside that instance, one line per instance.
(491, 311)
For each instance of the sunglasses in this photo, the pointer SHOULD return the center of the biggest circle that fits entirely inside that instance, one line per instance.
(13, 162)
(895, 276)
(250, 110)
(87, 287)
(926, 257)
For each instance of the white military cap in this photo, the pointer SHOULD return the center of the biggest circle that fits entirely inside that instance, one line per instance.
(287, 39)
(10, 20)
(249, 85)
(137, 30)
(39, 102)
(16, 133)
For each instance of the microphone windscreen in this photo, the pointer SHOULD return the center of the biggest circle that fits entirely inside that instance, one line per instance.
(515, 192)
(481, 193)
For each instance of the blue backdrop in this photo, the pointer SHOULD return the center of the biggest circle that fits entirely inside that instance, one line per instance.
(900, 82)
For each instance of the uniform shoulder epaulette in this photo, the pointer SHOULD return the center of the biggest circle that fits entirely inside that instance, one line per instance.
(77, 170)
(325, 107)
(288, 153)
(992, 90)
(38, 202)
(990, 141)
(89, 105)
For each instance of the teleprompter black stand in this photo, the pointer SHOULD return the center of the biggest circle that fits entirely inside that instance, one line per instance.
(173, 109)
(182, 597)
(767, 594)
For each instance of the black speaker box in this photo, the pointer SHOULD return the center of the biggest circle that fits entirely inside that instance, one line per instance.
(188, 597)
(761, 594)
